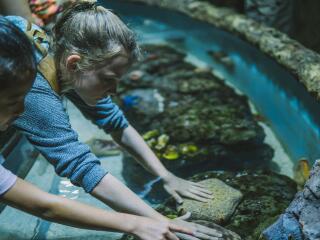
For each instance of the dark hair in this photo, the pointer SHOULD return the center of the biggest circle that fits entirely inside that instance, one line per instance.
(17, 60)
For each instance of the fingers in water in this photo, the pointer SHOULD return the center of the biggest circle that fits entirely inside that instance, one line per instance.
(198, 185)
(196, 197)
(201, 194)
(178, 199)
(203, 190)
(171, 236)
(177, 228)
(185, 216)
(208, 231)
(203, 236)
(175, 195)
(186, 237)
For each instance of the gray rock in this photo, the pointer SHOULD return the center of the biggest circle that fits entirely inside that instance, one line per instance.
(301, 219)
(217, 210)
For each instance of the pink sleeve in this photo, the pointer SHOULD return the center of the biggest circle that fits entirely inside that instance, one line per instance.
(7, 180)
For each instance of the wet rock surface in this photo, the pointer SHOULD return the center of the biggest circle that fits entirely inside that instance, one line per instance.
(218, 210)
(265, 196)
(193, 109)
(301, 219)
(194, 122)
(300, 61)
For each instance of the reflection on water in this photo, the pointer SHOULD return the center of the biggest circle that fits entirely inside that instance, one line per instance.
(68, 190)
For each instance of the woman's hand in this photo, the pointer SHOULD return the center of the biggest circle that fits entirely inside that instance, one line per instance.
(199, 232)
(150, 229)
(178, 187)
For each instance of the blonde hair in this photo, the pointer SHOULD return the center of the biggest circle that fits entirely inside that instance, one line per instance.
(94, 33)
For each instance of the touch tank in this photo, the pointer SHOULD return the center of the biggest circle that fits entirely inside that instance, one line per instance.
(222, 98)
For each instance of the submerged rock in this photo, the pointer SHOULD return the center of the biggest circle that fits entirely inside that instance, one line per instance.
(191, 106)
(223, 118)
(217, 210)
(265, 196)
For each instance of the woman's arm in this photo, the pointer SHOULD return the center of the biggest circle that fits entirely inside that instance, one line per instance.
(116, 195)
(108, 116)
(30, 199)
(130, 139)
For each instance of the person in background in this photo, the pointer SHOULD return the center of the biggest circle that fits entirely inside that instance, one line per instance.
(18, 68)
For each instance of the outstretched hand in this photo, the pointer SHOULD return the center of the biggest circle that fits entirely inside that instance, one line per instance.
(199, 232)
(178, 188)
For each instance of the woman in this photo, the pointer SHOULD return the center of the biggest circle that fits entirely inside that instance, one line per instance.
(18, 68)
(92, 49)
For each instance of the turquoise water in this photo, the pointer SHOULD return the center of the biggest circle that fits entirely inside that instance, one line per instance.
(292, 114)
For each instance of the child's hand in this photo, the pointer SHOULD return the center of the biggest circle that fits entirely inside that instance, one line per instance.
(150, 229)
(178, 187)
(199, 232)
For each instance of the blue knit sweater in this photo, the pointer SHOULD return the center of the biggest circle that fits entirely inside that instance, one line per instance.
(47, 126)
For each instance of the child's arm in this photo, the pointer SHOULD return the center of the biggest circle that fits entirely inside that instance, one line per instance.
(30, 199)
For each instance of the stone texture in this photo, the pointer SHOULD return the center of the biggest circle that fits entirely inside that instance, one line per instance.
(265, 196)
(288, 52)
(301, 219)
(193, 107)
(219, 209)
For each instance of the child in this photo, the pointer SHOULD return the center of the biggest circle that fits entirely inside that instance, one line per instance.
(92, 48)
(18, 68)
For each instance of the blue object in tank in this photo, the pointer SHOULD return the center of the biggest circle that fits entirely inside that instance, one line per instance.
(130, 101)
